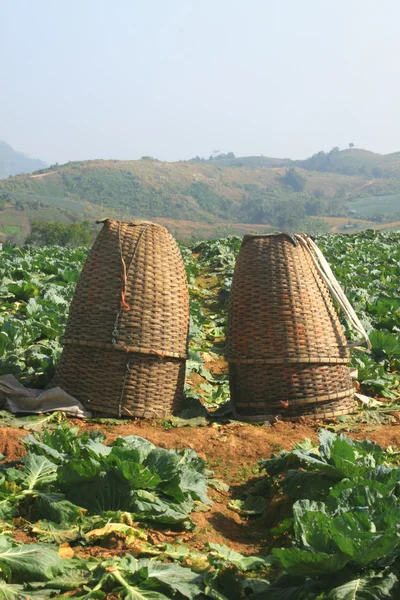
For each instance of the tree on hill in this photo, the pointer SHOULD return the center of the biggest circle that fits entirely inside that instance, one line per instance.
(208, 199)
(5, 198)
(314, 206)
(228, 155)
(286, 215)
(377, 172)
(255, 210)
(294, 179)
(44, 233)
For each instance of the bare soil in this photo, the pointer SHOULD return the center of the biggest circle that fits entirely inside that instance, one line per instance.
(231, 451)
(41, 175)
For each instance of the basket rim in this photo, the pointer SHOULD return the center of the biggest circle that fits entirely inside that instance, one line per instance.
(253, 236)
(133, 223)
(286, 360)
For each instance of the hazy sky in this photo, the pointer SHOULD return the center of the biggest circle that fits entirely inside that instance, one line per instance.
(173, 79)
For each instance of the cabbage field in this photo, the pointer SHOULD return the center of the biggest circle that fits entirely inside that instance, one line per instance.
(198, 506)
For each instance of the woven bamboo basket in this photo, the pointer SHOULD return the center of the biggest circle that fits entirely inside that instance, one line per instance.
(125, 342)
(286, 348)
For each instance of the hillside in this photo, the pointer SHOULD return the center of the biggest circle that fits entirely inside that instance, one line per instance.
(351, 161)
(13, 162)
(354, 161)
(214, 197)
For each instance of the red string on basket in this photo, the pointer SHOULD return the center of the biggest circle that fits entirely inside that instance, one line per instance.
(158, 353)
(124, 305)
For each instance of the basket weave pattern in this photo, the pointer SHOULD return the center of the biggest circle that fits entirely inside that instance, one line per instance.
(285, 345)
(125, 342)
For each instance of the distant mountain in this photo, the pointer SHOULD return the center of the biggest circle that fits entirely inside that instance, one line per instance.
(349, 190)
(13, 162)
(207, 191)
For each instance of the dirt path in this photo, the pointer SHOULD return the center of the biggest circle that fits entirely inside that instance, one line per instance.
(231, 451)
(381, 226)
(40, 175)
(360, 188)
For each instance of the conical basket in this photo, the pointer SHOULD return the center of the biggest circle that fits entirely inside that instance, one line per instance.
(286, 348)
(125, 342)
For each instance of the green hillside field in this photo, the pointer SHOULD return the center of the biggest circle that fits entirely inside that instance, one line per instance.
(214, 197)
(370, 205)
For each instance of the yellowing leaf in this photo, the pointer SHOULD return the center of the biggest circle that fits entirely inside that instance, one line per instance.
(130, 533)
(65, 551)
